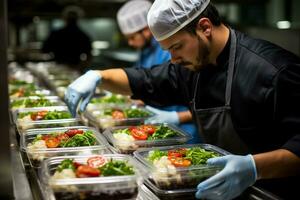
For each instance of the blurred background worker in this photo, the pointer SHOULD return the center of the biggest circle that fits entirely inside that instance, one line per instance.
(70, 45)
(132, 20)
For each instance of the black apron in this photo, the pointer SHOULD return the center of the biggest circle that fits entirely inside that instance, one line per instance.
(215, 124)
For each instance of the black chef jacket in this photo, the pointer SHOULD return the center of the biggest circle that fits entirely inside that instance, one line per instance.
(265, 101)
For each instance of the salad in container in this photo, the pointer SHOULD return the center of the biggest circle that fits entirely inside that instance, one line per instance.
(108, 99)
(117, 116)
(44, 117)
(40, 144)
(106, 176)
(127, 139)
(32, 102)
(180, 166)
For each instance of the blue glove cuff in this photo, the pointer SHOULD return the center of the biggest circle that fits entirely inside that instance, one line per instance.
(94, 75)
(253, 166)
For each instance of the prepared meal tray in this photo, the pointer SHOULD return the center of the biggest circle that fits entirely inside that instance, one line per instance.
(40, 144)
(180, 166)
(105, 117)
(105, 176)
(110, 98)
(25, 92)
(44, 117)
(32, 102)
(127, 139)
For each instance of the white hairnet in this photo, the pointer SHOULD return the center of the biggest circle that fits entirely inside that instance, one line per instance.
(167, 17)
(132, 16)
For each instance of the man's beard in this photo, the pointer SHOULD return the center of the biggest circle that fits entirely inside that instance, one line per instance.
(203, 55)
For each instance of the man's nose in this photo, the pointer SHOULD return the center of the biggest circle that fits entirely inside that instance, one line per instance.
(175, 59)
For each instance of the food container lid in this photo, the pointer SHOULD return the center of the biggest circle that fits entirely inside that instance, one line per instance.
(179, 138)
(30, 135)
(49, 166)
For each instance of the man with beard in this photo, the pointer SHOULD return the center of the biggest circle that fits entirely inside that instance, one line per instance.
(132, 20)
(244, 94)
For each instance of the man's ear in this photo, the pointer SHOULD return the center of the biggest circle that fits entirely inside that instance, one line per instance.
(204, 26)
(147, 33)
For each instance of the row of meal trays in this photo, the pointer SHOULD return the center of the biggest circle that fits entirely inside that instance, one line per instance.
(161, 177)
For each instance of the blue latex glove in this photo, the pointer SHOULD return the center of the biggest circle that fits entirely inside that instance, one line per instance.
(239, 172)
(82, 88)
(162, 116)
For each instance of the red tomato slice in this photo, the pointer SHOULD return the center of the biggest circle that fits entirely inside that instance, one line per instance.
(117, 114)
(62, 137)
(139, 134)
(174, 153)
(180, 162)
(52, 142)
(76, 164)
(97, 161)
(72, 132)
(87, 171)
(149, 129)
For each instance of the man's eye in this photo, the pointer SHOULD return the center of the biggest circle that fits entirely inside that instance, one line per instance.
(176, 47)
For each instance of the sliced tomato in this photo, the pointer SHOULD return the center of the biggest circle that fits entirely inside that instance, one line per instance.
(76, 164)
(149, 129)
(97, 161)
(52, 142)
(174, 153)
(62, 137)
(180, 162)
(117, 114)
(72, 132)
(38, 115)
(139, 134)
(87, 171)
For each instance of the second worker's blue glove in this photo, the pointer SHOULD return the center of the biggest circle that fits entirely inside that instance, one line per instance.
(239, 172)
(82, 88)
(162, 116)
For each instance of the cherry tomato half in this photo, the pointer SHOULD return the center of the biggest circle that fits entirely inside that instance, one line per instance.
(87, 171)
(38, 115)
(72, 132)
(97, 161)
(117, 114)
(139, 134)
(62, 137)
(52, 142)
(180, 162)
(149, 129)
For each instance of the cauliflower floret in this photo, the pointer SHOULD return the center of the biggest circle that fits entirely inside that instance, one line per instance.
(24, 123)
(124, 141)
(31, 147)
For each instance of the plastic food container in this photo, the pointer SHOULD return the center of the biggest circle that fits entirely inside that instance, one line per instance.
(99, 187)
(23, 92)
(127, 139)
(80, 144)
(146, 194)
(179, 194)
(170, 170)
(23, 118)
(32, 102)
(109, 99)
(114, 116)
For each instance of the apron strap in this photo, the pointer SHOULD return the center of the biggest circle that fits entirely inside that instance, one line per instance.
(230, 67)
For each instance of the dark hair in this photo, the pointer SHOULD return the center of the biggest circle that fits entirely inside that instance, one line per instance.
(210, 12)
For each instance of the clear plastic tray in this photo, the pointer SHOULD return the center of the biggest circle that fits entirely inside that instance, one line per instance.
(129, 146)
(146, 194)
(38, 92)
(37, 153)
(98, 119)
(110, 187)
(54, 100)
(27, 123)
(186, 194)
(169, 177)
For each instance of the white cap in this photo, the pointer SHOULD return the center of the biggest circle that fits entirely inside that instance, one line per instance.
(167, 17)
(132, 16)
